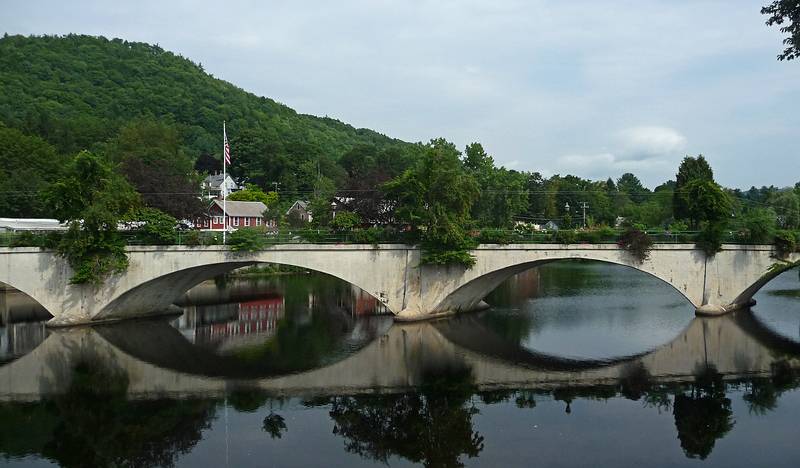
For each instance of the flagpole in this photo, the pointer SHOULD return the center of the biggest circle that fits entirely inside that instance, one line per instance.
(224, 186)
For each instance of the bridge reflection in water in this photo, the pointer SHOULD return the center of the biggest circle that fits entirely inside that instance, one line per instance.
(302, 368)
(412, 376)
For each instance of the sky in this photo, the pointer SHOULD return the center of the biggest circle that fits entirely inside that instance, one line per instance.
(591, 88)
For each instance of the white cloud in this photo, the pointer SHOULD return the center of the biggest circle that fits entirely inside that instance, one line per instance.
(649, 142)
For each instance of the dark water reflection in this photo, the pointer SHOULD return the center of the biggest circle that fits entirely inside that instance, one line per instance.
(296, 371)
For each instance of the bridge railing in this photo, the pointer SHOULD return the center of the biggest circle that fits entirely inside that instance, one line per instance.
(45, 239)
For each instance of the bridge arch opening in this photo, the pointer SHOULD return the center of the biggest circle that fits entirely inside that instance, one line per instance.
(22, 321)
(161, 293)
(472, 294)
(587, 311)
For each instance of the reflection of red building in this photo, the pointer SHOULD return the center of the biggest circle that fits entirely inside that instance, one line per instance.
(361, 303)
(254, 317)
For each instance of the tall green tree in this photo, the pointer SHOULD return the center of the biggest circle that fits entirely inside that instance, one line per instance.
(150, 155)
(705, 201)
(93, 199)
(434, 199)
(691, 169)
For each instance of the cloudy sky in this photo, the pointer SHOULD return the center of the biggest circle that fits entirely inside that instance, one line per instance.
(594, 88)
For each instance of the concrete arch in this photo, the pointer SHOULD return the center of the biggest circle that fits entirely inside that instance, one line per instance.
(471, 295)
(746, 297)
(159, 288)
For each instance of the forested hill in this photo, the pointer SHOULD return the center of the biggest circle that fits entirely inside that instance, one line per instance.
(75, 91)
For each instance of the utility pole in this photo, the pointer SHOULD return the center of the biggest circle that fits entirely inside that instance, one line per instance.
(584, 205)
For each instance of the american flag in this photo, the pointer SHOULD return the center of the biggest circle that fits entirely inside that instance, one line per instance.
(227, 147)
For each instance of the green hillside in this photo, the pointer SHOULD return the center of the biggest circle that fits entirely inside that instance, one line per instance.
(76, 91)
(157, 117)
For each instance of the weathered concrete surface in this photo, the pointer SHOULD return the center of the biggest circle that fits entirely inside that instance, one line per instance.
(158, 276)
(734, 346)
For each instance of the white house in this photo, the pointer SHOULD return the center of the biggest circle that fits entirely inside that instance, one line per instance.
(214, 185)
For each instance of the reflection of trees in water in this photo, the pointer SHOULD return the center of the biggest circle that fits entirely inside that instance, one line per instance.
(432, 426)
(702, 414)
(94, 424)
(761, 394)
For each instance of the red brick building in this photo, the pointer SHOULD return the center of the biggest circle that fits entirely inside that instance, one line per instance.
(240, 214)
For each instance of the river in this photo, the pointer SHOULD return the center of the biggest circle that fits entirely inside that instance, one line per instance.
(575, 364)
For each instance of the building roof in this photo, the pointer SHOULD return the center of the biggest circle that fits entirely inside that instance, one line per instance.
(31, 224)
(215, 180)
(243, 208)
(300, 204)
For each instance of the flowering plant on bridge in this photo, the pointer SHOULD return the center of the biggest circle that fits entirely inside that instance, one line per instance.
(637, 243)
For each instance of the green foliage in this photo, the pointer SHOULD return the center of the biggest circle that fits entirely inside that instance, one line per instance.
(704, 201)
(637, 243)
(191, 238)
(247, 240)
(758, 226)
(93, 199)
(149, 153)
(345, 221)
(785, 243)
(254, 193)
(710, 238)
(565, 236)
(494, 236)
(786, 14)
(154, 226)
(691, 169)
(27, 165)
(435, 197)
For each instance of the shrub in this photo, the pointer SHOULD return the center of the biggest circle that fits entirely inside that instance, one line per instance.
(494, 236)
(785, 243)
(371, 235)
(247, 240)
(565, 236)
(191, 238)
(709, 239)
(345, 221)
(637, 243)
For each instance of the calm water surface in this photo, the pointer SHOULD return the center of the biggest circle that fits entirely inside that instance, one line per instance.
(575, 364)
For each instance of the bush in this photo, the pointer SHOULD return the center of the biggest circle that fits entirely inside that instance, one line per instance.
(371, 235)
(565, 236)
(345, 221)
(494, 236)
(247, 240)
(191, 238)
(435, 254)
(637, 243)
(157, 228)
(709, 239)
(785, 243)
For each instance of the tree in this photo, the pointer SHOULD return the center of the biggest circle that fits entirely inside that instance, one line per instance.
(689, 170)
(93, 199)
(787, 206)
(786, 11)
(704, 201)
(632, 186)
(27, 165)
(502, 192)
(434, 199)
(254, 193)
(152, 158)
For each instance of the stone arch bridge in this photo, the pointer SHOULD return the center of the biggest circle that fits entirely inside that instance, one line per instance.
(158, 276)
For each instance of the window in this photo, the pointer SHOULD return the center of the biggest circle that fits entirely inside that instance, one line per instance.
(246, 221)
(258, 221)
(235, 220)
(217, 219)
